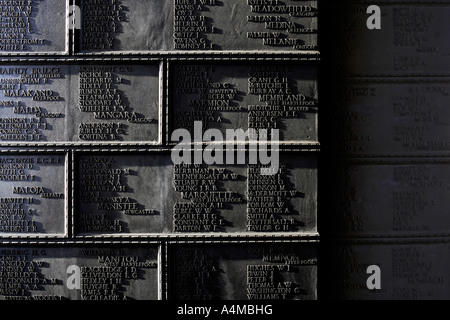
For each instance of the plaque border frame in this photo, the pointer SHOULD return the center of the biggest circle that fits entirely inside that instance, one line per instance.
(160, 236)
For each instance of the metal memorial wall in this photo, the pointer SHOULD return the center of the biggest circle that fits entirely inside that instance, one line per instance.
(97, 96)
(92, 204)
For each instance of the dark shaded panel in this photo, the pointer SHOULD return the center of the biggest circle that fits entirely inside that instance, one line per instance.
(66, 103)
(243, 272)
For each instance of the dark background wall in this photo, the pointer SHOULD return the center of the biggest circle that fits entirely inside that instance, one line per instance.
(384, 158)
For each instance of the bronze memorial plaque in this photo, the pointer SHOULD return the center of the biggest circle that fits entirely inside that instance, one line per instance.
(199, 199)
(34, 27)
(33, 203)
(247, 96)
(34, 103)
(139, 26)
(160, 150)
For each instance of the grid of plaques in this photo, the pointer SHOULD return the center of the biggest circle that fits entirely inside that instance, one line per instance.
(387, 151)
(99, 101)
